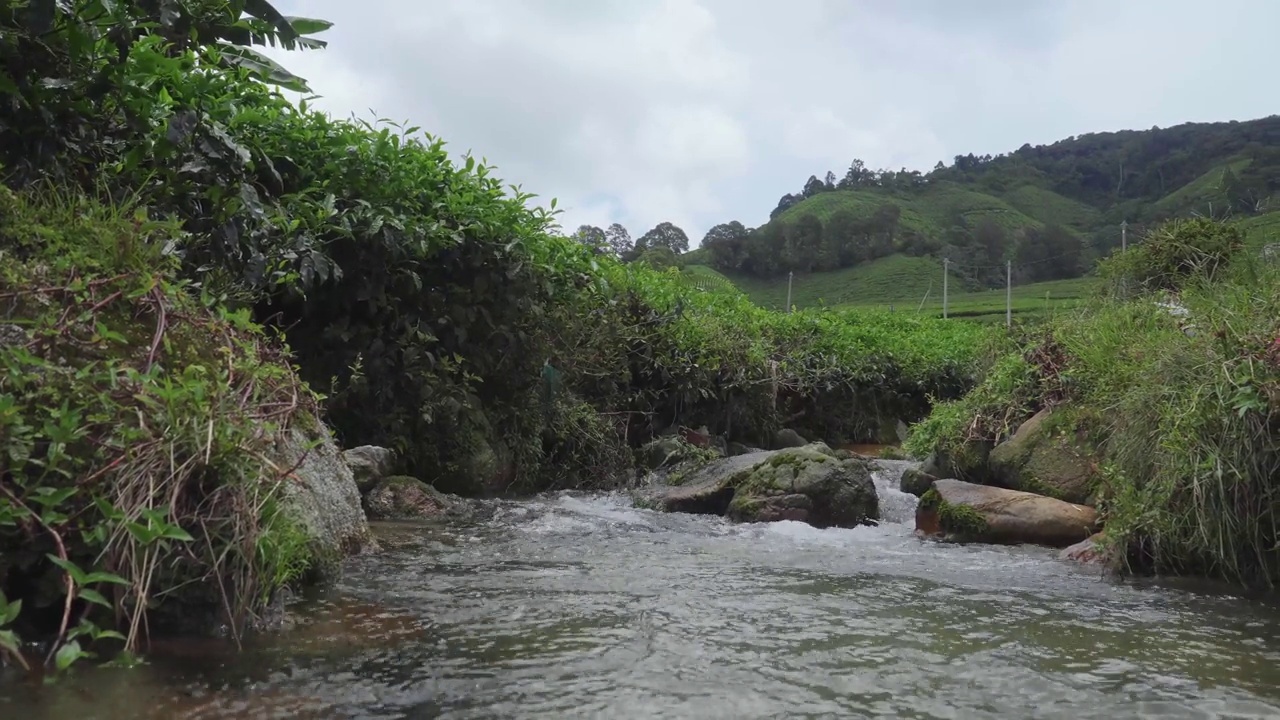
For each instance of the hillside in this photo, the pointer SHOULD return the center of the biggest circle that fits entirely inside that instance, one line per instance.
(899, 283)
(1051, 210)
(914, 283)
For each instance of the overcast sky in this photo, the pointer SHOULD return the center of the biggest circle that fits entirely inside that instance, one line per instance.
(703, 111)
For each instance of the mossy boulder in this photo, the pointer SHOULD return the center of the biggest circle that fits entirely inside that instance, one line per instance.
(916, 481)
(967, 461)
(1045, 457)
(401, 497)
(321, 496)
(787, 438)
(369, 464)
(666, 452)
(808, 484)
(959, 511)
(733, 449)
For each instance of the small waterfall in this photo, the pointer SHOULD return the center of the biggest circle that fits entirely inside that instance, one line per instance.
(895, 505)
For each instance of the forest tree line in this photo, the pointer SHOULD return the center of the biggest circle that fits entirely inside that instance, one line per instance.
(1120, 174)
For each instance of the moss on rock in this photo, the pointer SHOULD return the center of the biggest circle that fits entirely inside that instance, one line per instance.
(1048, 455)
(400, 497)
(807, 484)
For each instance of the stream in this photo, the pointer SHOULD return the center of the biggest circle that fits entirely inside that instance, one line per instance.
(584, 606)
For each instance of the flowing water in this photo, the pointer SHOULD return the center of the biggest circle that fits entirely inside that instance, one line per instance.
(573, 606)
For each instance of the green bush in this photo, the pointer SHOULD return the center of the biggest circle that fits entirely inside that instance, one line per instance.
(1184, 414)
(1171, 254)
(135, 426)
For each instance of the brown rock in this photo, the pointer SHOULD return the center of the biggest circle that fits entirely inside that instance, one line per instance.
(965, 512)
(1087, 552)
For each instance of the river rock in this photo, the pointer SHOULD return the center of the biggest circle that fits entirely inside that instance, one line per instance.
(13, 335)
(321, 494)
(967, 462)
(787, 438)
(734, 449)
(1038, 460)
(1090, 551)
(369, 464)
(960, 511)
(807, 484)
(401, 497)
(916, 481)
(665, 452)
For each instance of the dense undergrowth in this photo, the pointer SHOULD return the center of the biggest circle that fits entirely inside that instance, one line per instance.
(437, 311)
(136, 429)
(1174, 378)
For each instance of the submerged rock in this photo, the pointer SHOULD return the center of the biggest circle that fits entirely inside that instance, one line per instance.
(369, 464)
(1038, 460)
(401, 497)
(807, 484)
(1090, 551)
(959, 511)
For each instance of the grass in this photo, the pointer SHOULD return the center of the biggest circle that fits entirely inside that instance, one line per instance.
(1185, 418)
(1198, 194)
(1049, 207)
(1260, 230)
(937, 207)
(900, 283)
(929, 212)
(140, 427)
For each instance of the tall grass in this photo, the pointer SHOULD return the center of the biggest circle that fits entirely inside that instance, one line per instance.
(1178, 390)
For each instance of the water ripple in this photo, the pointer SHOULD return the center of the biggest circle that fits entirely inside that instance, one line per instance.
(586, 607)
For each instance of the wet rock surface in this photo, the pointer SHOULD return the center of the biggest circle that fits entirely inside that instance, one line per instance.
(964, 512)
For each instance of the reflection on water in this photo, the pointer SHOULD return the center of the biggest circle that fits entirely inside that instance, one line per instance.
(586, 607)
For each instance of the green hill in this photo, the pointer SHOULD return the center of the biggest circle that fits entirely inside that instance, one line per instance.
(903, 284)
(1051, 210)
(914, 284)
(930, 212)
(1199, 194)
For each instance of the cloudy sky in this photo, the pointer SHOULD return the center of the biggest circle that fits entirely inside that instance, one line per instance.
(703, 111)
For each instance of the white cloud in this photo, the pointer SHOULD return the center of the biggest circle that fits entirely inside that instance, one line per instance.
(703, 111)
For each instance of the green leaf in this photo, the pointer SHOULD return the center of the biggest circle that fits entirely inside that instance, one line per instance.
(68, 654)
(95, 597)
(9, 641)
(7, 85)
(10, 611)
(77, 575)
(264, 10)
(263, 67)
(308, 26)
(173, 532)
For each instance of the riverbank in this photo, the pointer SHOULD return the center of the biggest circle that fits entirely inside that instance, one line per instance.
(217, 291)
(206, 304)
(1159, 404)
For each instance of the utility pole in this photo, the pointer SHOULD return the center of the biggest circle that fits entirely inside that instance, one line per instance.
(1124, 235)
(790, 274)
(1008, 293)
(946, 264)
